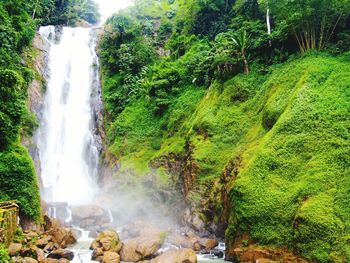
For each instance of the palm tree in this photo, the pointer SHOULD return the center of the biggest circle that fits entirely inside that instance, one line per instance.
(241, 42)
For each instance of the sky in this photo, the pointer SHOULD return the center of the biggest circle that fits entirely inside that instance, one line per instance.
(108, 7)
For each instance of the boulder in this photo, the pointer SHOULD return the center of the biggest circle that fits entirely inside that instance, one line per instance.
(63, 260)
(61, 253)
(42, 242)
(31, 251)
(51, 246)
(207, 243)
(63, 236)
(89, 215)
(29, 260)
(179, 240)
(108, 241)
(110, 257)
(97, 254)
(14, 249)
(40, 255)
(183, 255)
(50, 260)
(140, 248)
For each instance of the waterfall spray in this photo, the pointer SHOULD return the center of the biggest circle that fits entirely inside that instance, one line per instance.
(68, 154)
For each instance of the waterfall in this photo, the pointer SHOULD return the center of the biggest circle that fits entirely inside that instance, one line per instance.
(67, 149)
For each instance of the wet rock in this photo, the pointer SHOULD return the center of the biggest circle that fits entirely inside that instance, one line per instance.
(108, 241)
(254, 254)
(140, 248)
(110, 257)
(183, 255)
(218, 253)
(97, 254)
(14, 249)
(61, 253)
(63, 236)
(192, 219)
(207, 243)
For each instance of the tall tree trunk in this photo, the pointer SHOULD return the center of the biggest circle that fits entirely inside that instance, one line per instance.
(268, 24)
(35, 7)
(245, 63)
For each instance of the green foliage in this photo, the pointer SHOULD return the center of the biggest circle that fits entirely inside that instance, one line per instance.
(173, 89)
(63, 12)
(4, 255)
(291, 189)
(17, 176)
(311, 22)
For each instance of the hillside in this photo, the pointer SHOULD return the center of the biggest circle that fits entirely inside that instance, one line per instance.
(264, 155)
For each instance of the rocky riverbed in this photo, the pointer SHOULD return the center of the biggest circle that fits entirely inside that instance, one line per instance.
(136, 242)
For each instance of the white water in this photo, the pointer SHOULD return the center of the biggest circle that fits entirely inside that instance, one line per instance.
(68, 155)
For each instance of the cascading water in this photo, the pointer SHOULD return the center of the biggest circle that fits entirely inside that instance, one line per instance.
(68, 154)
(67, 145)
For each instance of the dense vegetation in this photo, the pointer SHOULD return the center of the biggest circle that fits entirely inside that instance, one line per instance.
(17, 176)
(64, 12)
(257, 111)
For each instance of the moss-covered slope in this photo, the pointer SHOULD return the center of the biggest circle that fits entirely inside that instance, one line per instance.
(282, 140)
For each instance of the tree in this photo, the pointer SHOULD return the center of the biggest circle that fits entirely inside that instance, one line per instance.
(232, 47)
(311, 22)
(241, 42)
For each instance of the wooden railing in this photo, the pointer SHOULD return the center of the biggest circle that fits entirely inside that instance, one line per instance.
(8, 221)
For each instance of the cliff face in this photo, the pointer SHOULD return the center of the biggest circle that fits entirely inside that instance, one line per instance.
(36, 57)
(265, 157)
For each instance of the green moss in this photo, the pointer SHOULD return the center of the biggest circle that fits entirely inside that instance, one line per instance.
(285, 194)
(290, 132)
(18, 181)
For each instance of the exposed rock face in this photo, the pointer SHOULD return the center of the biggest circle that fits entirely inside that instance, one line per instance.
(253, 254)
(35, 95)
(107, 241)
(183, 255)
(192, 219)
